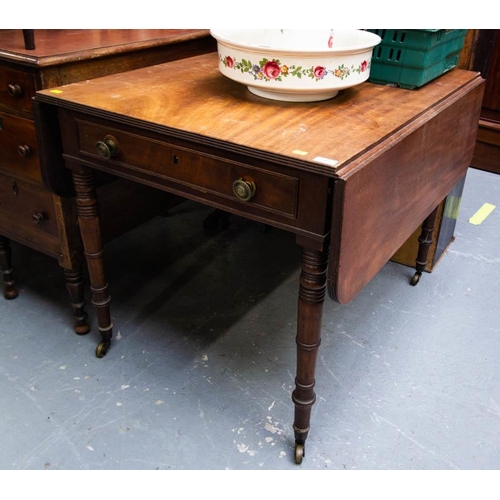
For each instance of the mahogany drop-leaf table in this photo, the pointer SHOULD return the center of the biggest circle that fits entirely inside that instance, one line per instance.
(352, 177)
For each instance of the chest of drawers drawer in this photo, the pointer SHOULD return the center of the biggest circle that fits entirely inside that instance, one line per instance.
(16, 89)
(27, 213)
(233, 181)
(18, 146)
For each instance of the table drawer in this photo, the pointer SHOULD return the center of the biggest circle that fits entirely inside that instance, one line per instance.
(274, 192)
(27, 213)
(18, 146)
(16, 89)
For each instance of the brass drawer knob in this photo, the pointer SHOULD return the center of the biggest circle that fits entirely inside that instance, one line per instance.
(107, 148)
(14, 90)
(37, 218)
(24, 150)
(244, 189)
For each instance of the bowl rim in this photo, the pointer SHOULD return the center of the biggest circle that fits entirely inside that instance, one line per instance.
(372, 41)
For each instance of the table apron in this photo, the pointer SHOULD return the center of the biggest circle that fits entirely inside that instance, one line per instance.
(288, 198)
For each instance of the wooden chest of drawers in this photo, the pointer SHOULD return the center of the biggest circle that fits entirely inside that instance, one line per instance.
(29, 213)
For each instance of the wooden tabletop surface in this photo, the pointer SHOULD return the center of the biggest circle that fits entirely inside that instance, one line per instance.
(54, 45)
(193, 97)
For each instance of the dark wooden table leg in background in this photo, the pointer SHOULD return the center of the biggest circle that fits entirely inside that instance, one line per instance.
(74, 285)
(424, 244)
(9, 286)
(90, 228)
(310, 311)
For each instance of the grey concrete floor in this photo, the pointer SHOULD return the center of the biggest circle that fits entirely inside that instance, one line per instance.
(202, 364)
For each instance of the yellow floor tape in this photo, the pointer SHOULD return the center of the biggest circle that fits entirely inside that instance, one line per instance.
(481, 214)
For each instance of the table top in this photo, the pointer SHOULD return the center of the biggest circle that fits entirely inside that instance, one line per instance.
(194, 99)
(54, 46)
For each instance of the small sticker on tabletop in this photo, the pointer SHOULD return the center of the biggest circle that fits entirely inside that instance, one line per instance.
(326, 161)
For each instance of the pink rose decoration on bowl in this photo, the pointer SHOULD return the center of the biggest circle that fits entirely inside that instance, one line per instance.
(319, 72)
(271, 70)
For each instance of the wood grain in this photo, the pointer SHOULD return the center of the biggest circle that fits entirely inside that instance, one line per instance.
(193, 98)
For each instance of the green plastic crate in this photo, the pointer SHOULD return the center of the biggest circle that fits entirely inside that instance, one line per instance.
(411, 58)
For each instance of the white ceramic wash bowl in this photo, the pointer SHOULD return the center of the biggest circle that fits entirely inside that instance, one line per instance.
(300, 65)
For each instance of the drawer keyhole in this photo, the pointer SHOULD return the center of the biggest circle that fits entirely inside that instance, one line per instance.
(15, 189)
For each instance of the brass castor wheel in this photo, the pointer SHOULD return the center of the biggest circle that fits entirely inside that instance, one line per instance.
(299, 453)
(102, 349)
(415, 279)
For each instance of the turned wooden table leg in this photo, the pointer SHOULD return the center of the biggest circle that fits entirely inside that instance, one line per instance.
(424, 244)
(90, 228)
(310, 310)
(9, 286)
(74, 284)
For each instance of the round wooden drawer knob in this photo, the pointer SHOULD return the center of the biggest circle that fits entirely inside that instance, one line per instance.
(37, 218)
(24, 150)
(14, 90)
